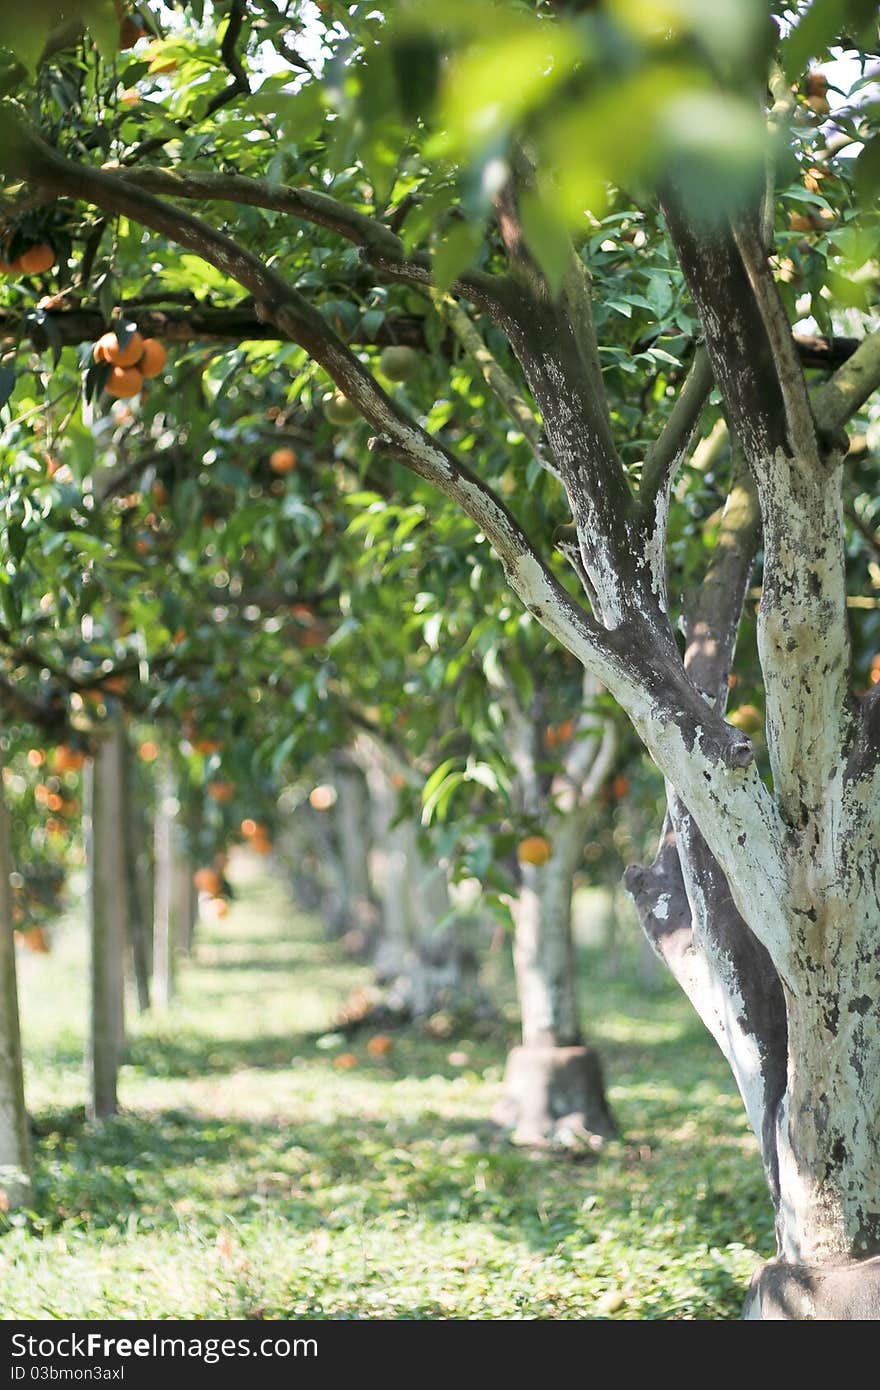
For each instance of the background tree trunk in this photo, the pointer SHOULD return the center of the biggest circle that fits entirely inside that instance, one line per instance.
(138, 877)
(107, 902)
(352, 824)
(14, 1138)
(165, 891)
(553, 1086)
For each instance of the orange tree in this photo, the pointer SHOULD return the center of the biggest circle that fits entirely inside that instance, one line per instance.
(452, 154)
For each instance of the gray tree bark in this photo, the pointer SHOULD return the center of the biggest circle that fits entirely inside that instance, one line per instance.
(140, 906)
(108, 886)
(15, 1161)
(553, 1083)
(166, 894)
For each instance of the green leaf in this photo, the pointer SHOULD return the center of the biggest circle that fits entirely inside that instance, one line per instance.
(455, 252)
(547, 239)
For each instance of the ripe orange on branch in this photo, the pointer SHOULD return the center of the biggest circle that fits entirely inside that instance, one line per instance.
(282, 460)
(68, 759)
(109, 349)
(208, 881)
(534, 849)
(124, 382)
(221, 791)
(153, 358)
(36, 259)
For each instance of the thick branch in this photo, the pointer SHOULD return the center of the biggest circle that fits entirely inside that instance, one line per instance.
(839, 399)
(737, 304)
(380, 246)
(200, 323)
(666, 454)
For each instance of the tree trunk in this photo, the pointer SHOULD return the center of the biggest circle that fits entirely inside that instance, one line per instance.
(165, 891)
(137, 872)
(107, 901)
(352, 822)
(553, 1083)
(14, 1139)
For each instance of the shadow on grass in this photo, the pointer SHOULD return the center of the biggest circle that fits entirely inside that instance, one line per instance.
(174, 1166)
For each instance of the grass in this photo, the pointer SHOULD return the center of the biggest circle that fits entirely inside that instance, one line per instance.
(246, 1176)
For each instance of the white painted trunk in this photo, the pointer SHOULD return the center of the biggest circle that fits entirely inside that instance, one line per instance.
(165, 891)
(14, 1139)
(352, 820)
(107, 907)
(139, 896)
(389, 864)
(543, 949)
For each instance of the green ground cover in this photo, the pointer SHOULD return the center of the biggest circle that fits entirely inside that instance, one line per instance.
(249, 1176)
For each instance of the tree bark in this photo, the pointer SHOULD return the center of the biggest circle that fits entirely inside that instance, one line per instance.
(352, 820)
(138, 877)
(15, 1161)
(553, 1085)
(107, 903)
(166, 893)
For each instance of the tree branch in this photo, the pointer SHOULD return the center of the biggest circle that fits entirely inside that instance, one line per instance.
(494, 375)
(835, 402)
(667, 452)
(380, 246)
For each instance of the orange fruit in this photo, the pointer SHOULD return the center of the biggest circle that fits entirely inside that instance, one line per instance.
(130, 32)
(36, 757)
(260, 844)
(161, 495)
(282, 460)
(249, 828)
(534, 849)
(620, 787)
(37, 259)
(380, 1045)
(208, 746)
(124, 382)
(68, 759)
(126, 356)
(36, 940)
(130, 97)
(148, 751)
(322, 798)
(345, 1061)
(208, 881)
(153, 357)
(216, 907)
(221, 791)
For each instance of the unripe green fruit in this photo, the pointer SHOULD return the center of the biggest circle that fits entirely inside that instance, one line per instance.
(398, 363)
(339, 410)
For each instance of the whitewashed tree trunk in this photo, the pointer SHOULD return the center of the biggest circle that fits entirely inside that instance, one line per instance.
(14, 1136)
(352, 827)
(139, 897)
(422, 958)
(108, 889)
(553, 1082)
(166, 893)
